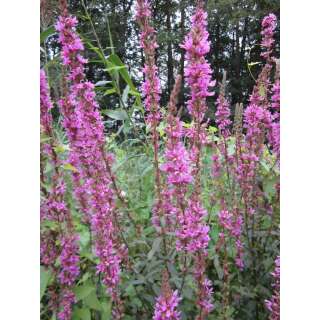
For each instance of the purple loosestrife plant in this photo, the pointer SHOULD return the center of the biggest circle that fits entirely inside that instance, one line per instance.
(193, 231)
(85, 130)
(222, 114)
(274, 133)
(54, 209)
(45, 104)
(258, 123)
(198, 77)
(177, 166)
(231, 224)
(48, 250)
(242, 174)
(151, 91)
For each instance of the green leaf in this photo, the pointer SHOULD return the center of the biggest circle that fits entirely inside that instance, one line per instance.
(114, 58)
(135, 93)
(137, 302)
(155, 247)
(117, 114)
(110, 91)
(92, 301)
(83, 291)
(47, 33)
(125, 94)
(106, 313)
(81, 314)
(60, 148)
(262, 90)
(160, 128)
(84, 238)
(94, 48)
(69, 167)
(253, 64)
(84, 278)
(45, 276)
(52, 225)
(115, 68)
(212, 129)
(218, 267)
(130, 290)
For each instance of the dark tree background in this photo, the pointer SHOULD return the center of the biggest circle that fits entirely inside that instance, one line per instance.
(234, 27)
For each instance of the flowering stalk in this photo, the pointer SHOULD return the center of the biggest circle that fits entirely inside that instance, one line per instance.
(223, 110)
(198, 77)
(273, 304)
(177, 163)
(257, 119)
(274, 133)
(151, 91)
(151, 87)
(84, 127)
(54, 209)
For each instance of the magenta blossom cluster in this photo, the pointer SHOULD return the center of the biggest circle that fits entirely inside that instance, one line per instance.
(231, 223)
(69, 259)
(273, 304)
(46, 117)
(166, 307)
(177, 165)
(192, 235)
(68, 298)
(198, 71)
(198, 77)
(274, 134)
(269, 24)
(204, 295)
(276, 95)
(205, 300)
(257, 119)
(85, 130)
(45, 104)
(223, 115)
(151, 87)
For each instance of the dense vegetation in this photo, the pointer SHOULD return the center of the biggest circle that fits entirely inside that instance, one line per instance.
(159, 177)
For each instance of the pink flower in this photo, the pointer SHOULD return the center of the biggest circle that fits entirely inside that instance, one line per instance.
(151, 87)
(68, 298)
(192, 234)
(166, 306)
(223, 115)
(269, 24)
(198, 71)
(69, 259)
